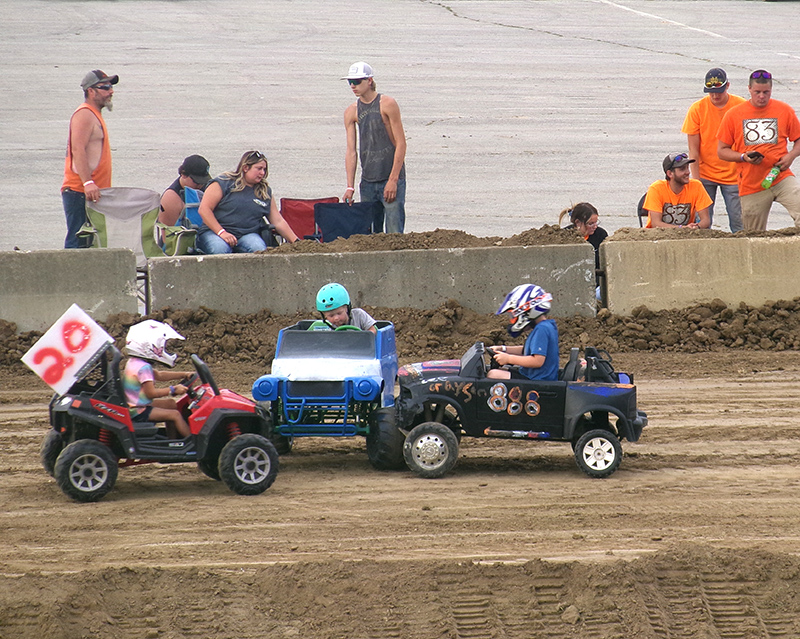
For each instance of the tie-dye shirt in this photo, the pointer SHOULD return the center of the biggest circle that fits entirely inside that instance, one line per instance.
(137, 372)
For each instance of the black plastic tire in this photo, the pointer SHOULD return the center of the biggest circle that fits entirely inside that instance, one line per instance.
(282, 443)
(209, 466)
(385, 441)
(86, 470)
(598, 453)
(431, 450)
(52, 446)
(248, 464)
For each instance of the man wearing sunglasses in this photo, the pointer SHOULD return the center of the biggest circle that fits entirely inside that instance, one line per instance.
(701, 126)
(381, 147)
(677, 201)
(755, 134)
(87, 167)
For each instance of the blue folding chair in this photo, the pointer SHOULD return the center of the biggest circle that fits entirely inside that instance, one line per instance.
(335, 220)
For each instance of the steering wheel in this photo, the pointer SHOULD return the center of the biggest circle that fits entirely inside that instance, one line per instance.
(493, 364)
(188, 381)
(347, 327)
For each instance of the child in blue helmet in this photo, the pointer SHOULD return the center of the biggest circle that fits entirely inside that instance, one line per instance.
(333, 301)
(538, 358)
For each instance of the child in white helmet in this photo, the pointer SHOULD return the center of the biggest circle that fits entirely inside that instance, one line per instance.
(333, 301)
(146, 343)
(538, 358)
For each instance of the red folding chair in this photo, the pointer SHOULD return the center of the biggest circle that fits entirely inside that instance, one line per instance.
(299, 214)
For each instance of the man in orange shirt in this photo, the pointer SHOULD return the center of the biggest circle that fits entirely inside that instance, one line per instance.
(677, 201)
(701, 126)
(87, 167)
(755, 134)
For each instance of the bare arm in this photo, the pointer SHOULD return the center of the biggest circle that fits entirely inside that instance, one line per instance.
(705, 219)
(351, 156)
(280, 224)
(725, 152)
(171, 207)
(694, 154)
(211, 198)
(391, 110)
(786, 161)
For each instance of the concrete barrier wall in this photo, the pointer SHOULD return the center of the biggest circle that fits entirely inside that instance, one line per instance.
(478, 278)
(665, 274)
(37, 287)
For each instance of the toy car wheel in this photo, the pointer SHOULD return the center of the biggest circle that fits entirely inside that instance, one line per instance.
(210, 467)
(431, 450)
(86, 470)
(385, 441)
(283, 444)
(248, 464)
(52, 445)
(598, 453)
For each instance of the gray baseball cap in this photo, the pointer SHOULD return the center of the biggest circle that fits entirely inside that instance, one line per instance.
(96, 77)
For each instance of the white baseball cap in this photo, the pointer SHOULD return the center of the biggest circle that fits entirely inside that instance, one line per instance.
(359, 70)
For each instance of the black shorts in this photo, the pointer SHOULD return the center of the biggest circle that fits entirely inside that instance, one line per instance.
(144, 416)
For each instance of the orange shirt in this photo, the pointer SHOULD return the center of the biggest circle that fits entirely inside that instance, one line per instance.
(102, 172)
(766, 130)
(703, 119)
(676, 208)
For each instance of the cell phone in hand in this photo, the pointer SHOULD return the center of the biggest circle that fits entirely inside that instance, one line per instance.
(755, 155)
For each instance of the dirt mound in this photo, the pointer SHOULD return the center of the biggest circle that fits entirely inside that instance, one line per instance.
(438, 239)
(649, 235)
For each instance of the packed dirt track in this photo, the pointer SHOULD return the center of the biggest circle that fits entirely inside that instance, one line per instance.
(694, 536)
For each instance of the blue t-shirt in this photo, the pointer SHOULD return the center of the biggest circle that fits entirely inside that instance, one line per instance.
(543, 340)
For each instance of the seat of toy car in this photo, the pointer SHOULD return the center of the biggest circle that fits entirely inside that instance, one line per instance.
(570, 371)
(598, 366)
(473, 363)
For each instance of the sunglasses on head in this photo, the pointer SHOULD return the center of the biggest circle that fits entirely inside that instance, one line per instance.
(102, 87)
(256, 156)
(678, 158)
(761, 74)
(356, 81)
(715, 83)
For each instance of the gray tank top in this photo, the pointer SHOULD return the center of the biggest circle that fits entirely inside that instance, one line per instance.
(375, 147)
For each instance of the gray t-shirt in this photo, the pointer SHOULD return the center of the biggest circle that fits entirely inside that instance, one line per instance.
(375, 146)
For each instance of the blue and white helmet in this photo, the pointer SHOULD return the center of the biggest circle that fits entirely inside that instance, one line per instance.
(525, 303)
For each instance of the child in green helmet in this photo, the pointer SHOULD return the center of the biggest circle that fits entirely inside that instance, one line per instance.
(333, 301)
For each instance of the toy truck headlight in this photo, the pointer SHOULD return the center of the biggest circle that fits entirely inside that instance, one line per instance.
(265, 388)
(365, 388)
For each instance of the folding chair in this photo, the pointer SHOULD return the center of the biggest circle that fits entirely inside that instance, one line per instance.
(641, 212)
(124, 217)
(343, 220)
(299, 214)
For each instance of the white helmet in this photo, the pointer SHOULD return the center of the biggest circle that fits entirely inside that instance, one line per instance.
(525, 302)
(148, 340)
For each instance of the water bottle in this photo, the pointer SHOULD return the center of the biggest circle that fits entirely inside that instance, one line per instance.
(773, 173)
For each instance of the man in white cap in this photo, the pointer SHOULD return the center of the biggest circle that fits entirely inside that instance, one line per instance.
(381, 147)
(87, 167)
(677, 201)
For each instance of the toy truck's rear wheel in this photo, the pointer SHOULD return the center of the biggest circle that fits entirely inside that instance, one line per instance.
(431, 450)
(52, 445)
(86, 470)
(248, 464)
(384, 441)
(598, 453)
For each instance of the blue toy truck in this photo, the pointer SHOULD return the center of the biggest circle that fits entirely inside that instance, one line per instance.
(335, 383)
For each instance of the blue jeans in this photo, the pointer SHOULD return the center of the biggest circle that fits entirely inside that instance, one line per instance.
(212, 244)
(730, 193)
(75, 212)
(394, 213)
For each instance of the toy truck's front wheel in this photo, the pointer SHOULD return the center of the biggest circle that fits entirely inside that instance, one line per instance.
(248, 464)
(52, 446)
(431, 450)
(86, 470)
(598, 453)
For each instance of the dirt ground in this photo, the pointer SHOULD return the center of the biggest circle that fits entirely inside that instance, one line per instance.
(694, 536)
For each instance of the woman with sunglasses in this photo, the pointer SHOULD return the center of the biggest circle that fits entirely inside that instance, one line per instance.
(237, 206)
(584, 220)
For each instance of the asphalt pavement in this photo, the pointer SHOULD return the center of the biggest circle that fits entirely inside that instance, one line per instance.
(513, 110)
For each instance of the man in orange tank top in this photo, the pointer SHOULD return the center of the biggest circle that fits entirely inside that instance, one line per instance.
(87, 166)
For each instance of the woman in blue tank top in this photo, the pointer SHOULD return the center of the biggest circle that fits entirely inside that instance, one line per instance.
(236, 207)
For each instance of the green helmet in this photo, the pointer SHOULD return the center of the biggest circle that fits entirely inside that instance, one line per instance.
(332, 296)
